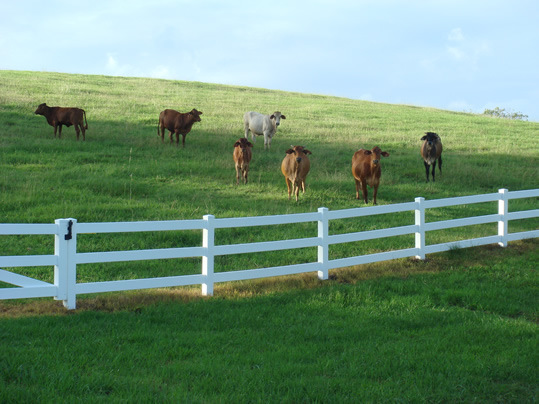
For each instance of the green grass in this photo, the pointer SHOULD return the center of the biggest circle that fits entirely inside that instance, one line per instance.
(434, 334)
(461, 326)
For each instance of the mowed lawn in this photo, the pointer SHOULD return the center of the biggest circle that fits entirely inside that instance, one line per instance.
(461, 326)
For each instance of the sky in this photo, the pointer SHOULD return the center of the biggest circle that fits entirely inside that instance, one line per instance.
(460, 55)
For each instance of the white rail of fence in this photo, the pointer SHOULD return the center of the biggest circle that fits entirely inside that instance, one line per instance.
(66, 258)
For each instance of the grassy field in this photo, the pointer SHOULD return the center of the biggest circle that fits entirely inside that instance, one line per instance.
(461, 326)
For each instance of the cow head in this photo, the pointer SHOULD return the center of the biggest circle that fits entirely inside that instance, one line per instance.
(41, 109)
(431, 138)
(376, 153)
(243, 144)
(277, 116)
(196, 114)
(299, 152)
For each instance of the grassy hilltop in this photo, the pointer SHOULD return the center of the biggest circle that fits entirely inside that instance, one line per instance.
(460, 327)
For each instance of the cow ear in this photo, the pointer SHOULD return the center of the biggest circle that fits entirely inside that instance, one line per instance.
(367, 152)
(290, 151)
(249, 144)
(272, 116)
(385, 154)
(237, 144)
(423, 138)
(306, 151)
(283, 117)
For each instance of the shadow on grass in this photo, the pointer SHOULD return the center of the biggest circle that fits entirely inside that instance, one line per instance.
(462, 260)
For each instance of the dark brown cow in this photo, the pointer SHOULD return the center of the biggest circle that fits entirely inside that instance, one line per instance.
(242, 157)
(431, 150)
(367, 171)
(177, 123)
(58, 116)
(295, 167)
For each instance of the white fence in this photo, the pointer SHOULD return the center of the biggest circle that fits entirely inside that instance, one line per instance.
(66, 258)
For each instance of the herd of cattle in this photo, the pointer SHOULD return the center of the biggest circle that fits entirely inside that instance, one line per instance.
(295, 166)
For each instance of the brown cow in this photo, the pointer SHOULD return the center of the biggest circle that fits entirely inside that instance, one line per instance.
(431, 150)
(295, 167)
(367, 171)
(242, 156)
(58, 116)
(177, 122)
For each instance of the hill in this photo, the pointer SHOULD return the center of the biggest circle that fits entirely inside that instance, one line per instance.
(123, 172)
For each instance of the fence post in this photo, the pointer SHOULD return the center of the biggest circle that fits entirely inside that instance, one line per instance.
(323, 246)
(503, 210)
(420, 232)
(65, 271)
(208, 242)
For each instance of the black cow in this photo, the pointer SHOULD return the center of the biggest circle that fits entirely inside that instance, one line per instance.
(431, 150)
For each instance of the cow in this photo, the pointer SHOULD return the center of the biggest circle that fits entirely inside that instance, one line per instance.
(177, 123)
(295, 167)
(367, 171)
(260, 124)
(58, 116)
(431, 150)
(242, 156)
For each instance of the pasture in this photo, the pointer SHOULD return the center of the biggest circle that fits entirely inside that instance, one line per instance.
(459, 327)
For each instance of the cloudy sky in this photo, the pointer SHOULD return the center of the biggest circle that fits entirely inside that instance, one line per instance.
(462, 55)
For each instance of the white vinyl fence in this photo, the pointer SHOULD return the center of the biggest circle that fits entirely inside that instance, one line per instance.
(66, 258)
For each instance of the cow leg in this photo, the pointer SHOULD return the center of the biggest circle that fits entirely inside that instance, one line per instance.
(183, 139)
(83, 132)
(266, 141)
(364, 190)
(170, 135)
(296, 188)
(77, 131)
(59, 131)
(433, 168)
(440, 164)
(162, 130)
(357, 189)
(245, 174)
(289, 186)
(426, 169)
(237, 174)
(374, 195)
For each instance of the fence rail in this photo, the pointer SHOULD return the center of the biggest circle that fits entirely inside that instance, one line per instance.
(66, 258)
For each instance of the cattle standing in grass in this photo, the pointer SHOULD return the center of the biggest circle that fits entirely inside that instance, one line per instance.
(58, 116)
(367, 171)
(295, 167)
(242, 156)
(431, 150)
(260, 124)
(177, 123)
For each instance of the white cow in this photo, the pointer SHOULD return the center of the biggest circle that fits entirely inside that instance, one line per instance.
(260, 124)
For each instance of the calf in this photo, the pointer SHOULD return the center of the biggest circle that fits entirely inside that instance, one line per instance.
(367, 171)
(58, 116)
(295, 167)
(177, 123)
(431, 150)
(260, 124)
(242, 156)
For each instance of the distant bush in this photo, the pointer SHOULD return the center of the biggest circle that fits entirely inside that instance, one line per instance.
(502, 113)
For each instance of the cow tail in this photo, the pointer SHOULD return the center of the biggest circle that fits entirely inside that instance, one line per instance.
(86, 126)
